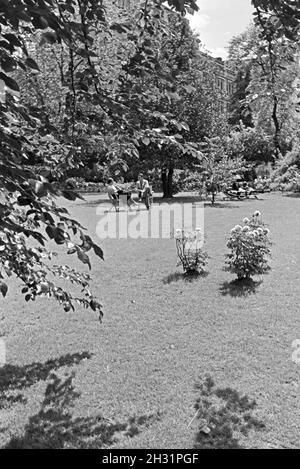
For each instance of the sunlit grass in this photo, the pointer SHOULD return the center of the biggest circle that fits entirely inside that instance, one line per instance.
(161, 333)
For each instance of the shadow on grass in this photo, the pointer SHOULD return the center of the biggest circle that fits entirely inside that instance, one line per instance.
(177, 276)
(220, 205)
(54, 426)
(14, 378)
(156, 200)
(294, 195)
(240, 287)
(223, 416)
(19, 377)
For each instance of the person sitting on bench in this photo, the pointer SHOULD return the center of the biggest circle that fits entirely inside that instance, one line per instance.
(114, 193)
(249, 190)
(142, 186)
(235, 191)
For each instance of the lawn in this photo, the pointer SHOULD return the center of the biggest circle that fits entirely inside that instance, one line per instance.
(130, 381)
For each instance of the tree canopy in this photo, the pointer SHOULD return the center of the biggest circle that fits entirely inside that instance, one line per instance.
(29, 214)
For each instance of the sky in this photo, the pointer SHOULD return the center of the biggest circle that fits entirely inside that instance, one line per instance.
(217, 21)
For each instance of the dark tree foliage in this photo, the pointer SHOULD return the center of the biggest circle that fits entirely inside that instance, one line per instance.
(239, 109)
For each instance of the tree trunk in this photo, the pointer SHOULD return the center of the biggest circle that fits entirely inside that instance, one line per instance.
(277, 126)
(213, 196)
(167, 182)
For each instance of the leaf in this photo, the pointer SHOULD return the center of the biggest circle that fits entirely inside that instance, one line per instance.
(36, 235)
(83, 257)
(22, 200)
(10, 82)
(185, 126)
(48, 37)
(7, 271)
(98, 251)
(120, 28)
(39, 22)
(87, 243)
(13, 39)
(3, 288)
(94, 305)
(32, 64)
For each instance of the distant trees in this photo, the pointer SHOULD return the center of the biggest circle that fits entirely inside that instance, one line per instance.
(265, 107)
(265, 83)
(218, 166)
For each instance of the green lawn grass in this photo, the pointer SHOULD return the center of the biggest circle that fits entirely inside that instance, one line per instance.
(130, 381)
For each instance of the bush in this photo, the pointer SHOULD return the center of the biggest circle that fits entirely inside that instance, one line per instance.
(80, 185)
(262, 185)
(289, 180)
(287, 171)
(250, 248)
(189, 250)
(187, 181)
(251, 144)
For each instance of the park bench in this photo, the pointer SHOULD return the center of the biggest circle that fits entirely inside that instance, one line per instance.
(236, 195)
(126, 196)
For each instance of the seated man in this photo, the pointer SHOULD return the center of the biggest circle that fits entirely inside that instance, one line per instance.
(235, 191)
(142, 186)
(249, 190)
(114, 193)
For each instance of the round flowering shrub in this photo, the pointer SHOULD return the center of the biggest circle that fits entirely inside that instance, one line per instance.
(250, 248)
(189, 250)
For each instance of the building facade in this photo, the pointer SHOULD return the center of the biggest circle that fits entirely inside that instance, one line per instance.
(223, 78)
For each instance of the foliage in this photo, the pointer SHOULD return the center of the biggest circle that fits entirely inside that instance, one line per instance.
(289, 180)
(193, 100)
(250, 248)
(252, 144)
(286, 175)
(71, 31)
(292, 158)
(189, 250)
(266, 59)
(188, 181)
(222, 415)
(262, 185)
(279, 16)
(239, 109)
(294, 183)
(81, 185)
(218, 168)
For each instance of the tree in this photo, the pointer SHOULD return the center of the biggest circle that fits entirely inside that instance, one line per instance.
(29, 215)
(185, 107)
(218, 168)
(278, 23)
(280, 17)
(268, 72)
(254, 145)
